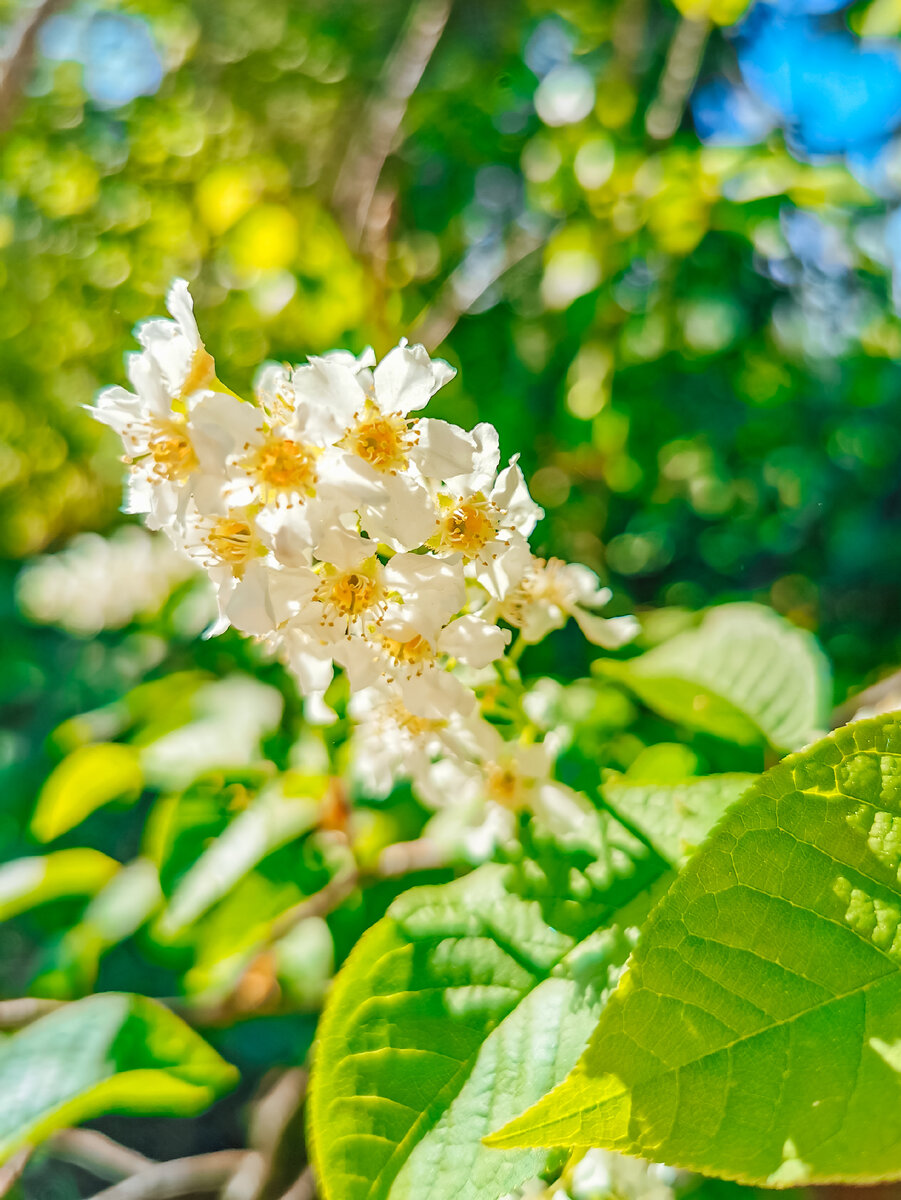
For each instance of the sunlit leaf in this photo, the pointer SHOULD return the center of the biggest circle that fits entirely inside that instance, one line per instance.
(675, 817)
(462, 1001)
(745, 674)
(757, 1034)
(28, 882)
(110, 1053)
(271, 821)
(88, 778)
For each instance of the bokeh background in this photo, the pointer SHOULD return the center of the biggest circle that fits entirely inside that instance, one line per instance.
(661, 243)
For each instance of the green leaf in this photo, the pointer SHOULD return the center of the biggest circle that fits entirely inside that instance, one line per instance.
(757, 1034)
(463, 1001)
(88, 778)
(111, 1053)
(745, 674)
(273, 819)
(675, 817)
(38, 879)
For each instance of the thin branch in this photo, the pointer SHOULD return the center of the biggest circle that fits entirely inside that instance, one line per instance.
(369, 148)
(178, 1177)
(303, 1189)
(320, 904)
(11, 1171)
(25, 1009)
(401, 858)
(18, 57)
(461, 291)
(97, 1153)
(881, 697)
(683, 61)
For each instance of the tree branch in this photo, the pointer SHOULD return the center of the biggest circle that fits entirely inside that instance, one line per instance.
(303, 1189)
(18, 57)
(25, 1009)
(460, 292)
(178, 1177)
(97, 1153)
(11, 1171)
(683, 61)
(369, 148)
(881, 697)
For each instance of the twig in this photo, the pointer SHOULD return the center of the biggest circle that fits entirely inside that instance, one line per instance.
(303, 1189)
(97, 1153)
(401, 858)
(25, 1009)
(11, 1171)
(369, 148)
(320, 904)
(883, 696)
(683, 61)
(178, 1177)
(460, 293)
(274, 1110)
(18, 57)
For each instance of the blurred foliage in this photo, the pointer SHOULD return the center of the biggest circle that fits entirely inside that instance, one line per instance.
(692, 345)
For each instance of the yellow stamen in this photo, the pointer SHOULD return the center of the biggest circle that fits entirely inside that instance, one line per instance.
(231, 541)
(410, 653)
(350, 593)
(384, 441)
(284, 465)
(504, 785)
(172, 453)
(201, 372)
(467, 526)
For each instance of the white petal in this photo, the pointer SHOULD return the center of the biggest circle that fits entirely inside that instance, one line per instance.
(473, 641)
(180, 304)
(436, 694)
(511, 495)
(247, 606)
(586, 586)
(431, 590)
(403, 517)
(485, 461)
(406, 379)
(501, 565)
(609, 632)
(328, 396)
(344, 548)
(290, 593)
(443, 450)
(309, 661)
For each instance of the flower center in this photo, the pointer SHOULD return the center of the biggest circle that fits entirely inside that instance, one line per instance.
(410, 653)
(231, 541)
(286, 466)
(467, 526)
(351, 593)
(382, 441)
(172, 453)
(504, 785)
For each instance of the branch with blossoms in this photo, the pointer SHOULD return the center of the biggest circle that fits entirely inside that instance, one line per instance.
(344, 530)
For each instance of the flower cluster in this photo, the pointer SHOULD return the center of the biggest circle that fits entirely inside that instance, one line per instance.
(345, 529)
(100, 583)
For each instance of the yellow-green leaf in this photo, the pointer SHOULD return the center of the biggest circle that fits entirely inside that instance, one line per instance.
(110, 1053)
(88, 778)
(28, 882)
(757, 1034)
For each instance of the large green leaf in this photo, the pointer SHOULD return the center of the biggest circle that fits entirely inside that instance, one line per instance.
(463, 1001)
(675, 816)
(757, 1034)
(745, 674)
(110, 1053)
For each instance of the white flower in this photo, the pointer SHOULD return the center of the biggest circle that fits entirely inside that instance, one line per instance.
(175, 346)
(101, 583)
(551, 592)
(367, 416)
(174, 453)
(488, 520)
